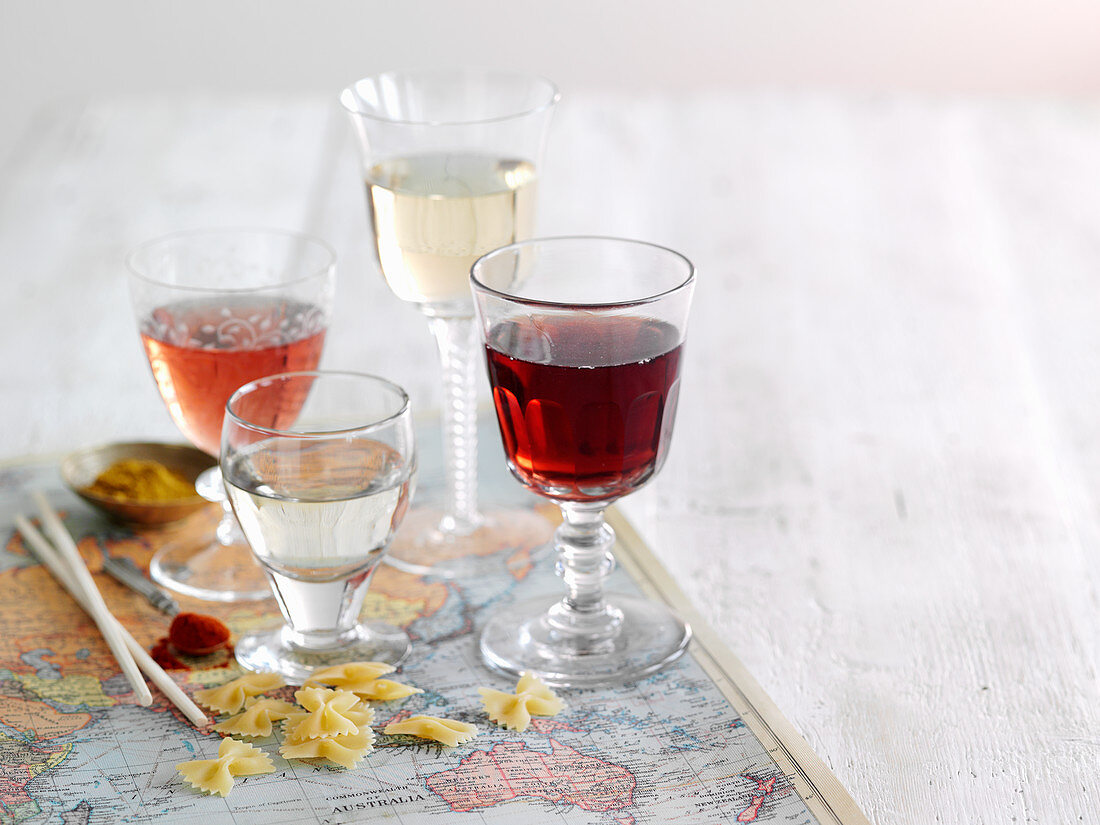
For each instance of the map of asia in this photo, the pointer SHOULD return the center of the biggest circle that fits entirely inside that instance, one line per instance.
(76, 748)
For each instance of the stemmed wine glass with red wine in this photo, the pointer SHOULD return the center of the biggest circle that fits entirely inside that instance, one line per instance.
(217, 309)
(583, 338)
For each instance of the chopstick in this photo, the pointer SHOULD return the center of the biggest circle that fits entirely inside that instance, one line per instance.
(95, 606)
(53, 561)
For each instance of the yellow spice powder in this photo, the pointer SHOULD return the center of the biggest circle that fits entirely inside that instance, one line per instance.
(137, 479)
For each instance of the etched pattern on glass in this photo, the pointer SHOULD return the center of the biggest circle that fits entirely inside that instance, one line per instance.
(244, 326)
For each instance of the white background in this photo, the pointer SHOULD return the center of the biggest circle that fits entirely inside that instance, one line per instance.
(68, 49)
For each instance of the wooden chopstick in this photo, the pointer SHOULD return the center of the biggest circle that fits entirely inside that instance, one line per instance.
(49, 557)
(96, 607)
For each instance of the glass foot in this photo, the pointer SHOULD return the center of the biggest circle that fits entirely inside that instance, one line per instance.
(274, 650)
(512, 537)
(632, 638)
(214, 572)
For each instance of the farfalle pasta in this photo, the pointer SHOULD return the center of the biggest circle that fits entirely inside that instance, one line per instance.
(328, 713)
(345, 750)
(448, 731)
(335, 725)
(385, 690)
(230, 697)
(362, 716)
(257, 717)
(349, 675)
(235, 758)
(514, 710)
(362, 679)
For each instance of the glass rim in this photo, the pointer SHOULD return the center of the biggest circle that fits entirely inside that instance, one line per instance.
(554, 96)
(540, 302)
(322, 269)
(316, 434)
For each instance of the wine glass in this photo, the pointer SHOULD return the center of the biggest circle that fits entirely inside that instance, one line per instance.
(218, 308)
(319, 468)
(584, 339)
(450, 160)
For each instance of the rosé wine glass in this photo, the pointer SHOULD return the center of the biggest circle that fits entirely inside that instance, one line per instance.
(216, 309)
(583, 338)
(451, 161)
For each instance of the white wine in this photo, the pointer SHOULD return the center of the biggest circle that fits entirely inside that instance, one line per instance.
(434, 215)
(321, 512)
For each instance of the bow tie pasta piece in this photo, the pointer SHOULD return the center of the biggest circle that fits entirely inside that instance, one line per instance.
(316, 699)
(506, 708)
(361, 716)
(362, 679)
(514, 710)
(257, 717)
(349, 675)
(384, 690)
(331, 713)
(541, 700)
(448, 731)
(210, 776)
(235, 758)
(345, 751)
(229, 698)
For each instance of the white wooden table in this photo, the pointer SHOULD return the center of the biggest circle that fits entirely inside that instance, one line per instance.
(885, 486)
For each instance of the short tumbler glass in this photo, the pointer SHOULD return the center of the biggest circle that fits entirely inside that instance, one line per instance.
(319, 494)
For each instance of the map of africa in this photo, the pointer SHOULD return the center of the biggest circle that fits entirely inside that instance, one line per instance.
(75, 748)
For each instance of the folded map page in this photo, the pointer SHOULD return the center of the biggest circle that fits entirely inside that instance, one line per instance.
(696, 743)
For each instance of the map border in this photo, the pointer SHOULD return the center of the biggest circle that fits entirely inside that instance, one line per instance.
(824, 795)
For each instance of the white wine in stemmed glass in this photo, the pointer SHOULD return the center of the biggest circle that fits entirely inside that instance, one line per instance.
(434, 215)
(450, 164)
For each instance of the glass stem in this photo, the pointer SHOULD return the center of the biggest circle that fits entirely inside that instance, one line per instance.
(320, 615)
(456, 339)
(584, 543)
(211, 487)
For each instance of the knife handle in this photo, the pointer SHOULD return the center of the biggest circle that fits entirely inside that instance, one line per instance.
(125, 571)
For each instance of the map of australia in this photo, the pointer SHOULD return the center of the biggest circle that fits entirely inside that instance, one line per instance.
(510, 770)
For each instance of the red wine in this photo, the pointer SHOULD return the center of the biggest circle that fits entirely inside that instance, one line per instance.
(585, 411)
(200, 352)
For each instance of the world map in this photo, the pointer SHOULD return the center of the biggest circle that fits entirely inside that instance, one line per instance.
(76, 748)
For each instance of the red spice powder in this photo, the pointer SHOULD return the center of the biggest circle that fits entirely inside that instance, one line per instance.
(196, 634)
(163, 656)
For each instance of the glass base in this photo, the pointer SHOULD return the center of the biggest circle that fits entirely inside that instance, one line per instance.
(274, 650)
(214, 572)
(634, 638)
(512, 537)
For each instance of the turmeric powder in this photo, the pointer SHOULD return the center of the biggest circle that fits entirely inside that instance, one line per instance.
(136, 479)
